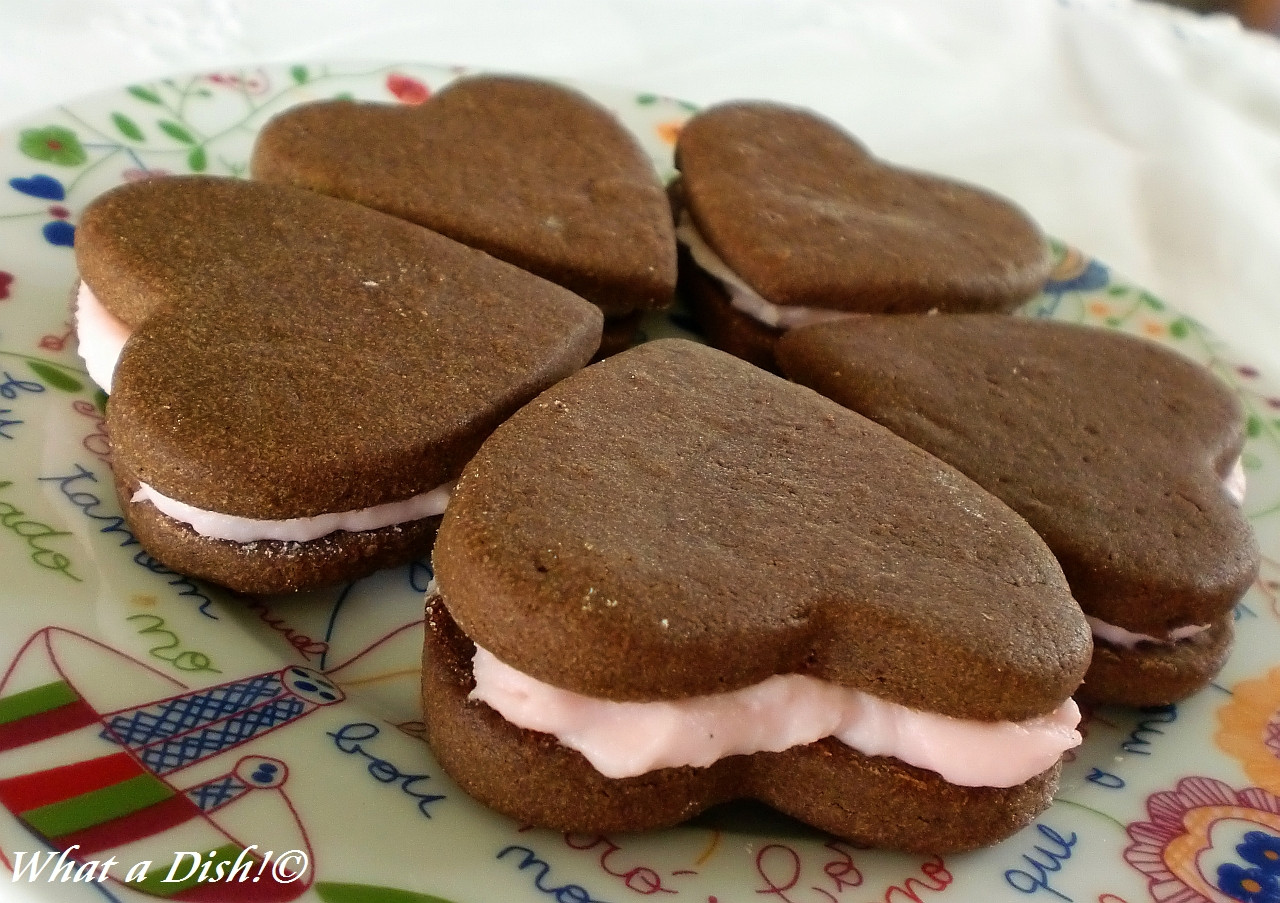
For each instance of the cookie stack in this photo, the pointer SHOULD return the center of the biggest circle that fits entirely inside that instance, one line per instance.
(785, 220)
(673, 578)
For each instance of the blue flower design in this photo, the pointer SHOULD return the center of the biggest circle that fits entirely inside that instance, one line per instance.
(59, 233)
(1087, 275)
(1075, 271)
(1263, 850)
(39, 186)
(1248, 885)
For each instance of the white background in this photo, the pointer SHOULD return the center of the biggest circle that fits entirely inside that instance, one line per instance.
(1148, 137)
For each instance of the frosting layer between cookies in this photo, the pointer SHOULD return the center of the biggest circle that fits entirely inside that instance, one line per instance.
(743, 297)
(100, 335)
(216, 525)
(1234, 486)
(625, 739)
(1118, 636)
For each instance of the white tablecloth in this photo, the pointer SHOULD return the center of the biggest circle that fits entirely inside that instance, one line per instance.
(1147, 136)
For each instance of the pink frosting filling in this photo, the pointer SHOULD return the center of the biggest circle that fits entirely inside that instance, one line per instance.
(743, 297)
(1234, 484)
(297, 529)
(100, 335)
(1118, 636)
(624, 739)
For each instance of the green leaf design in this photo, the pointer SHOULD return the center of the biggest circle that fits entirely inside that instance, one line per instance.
(127, 127)
(198, 160)
(144, 94)
(1113, 322)
(1151, 301)
(1116, 291)
(344, 95)
(100, 401)
(1253, 426)
(175, 131)
(646, 99)
(300, 74)
(1179, 328)
(1250, 461)
(55, 377)
(52, 144)
(331, 892)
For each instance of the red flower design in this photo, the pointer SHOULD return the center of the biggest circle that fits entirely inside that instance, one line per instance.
(57, 211)
(1193, 827)
(134, 174)
(407, 90)
(249, 82)
(6, 280)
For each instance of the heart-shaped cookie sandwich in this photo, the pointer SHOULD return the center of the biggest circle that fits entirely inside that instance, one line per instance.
(1122, 454)
(675, 579)
(533, 173)
(786, 219)
(305, 377)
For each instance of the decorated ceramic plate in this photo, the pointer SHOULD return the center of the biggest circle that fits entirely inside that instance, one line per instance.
(272, 747)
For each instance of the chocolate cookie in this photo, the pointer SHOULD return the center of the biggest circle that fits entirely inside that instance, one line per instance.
(1122, 454)
(306, 377)
(673, 535)
(786, 220)
(533, 173)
